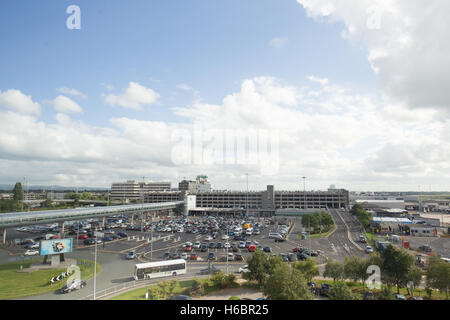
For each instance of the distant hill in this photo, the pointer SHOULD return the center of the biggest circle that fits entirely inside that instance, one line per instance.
(9, 187)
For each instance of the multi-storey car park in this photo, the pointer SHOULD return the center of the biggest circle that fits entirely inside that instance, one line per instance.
(260, 202)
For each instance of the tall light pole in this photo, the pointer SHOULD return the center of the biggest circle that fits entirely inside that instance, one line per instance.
(95, 262)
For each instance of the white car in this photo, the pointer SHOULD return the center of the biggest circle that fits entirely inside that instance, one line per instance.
(369, 249)
(197, 245)
(227, 245)
(31, 252)
(184, 256)
(225, 237)
(208, 238)
(244, 269)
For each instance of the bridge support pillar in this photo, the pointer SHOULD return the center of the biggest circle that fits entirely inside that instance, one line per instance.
(61, 228)
(103, 222)
(3, 232)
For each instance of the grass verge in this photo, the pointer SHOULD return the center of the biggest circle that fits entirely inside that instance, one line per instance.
(15, 284)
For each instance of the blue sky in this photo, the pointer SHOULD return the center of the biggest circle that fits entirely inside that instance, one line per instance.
(359, 100)
(209, 45)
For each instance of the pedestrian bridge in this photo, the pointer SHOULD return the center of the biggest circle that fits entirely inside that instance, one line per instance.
(17, 219)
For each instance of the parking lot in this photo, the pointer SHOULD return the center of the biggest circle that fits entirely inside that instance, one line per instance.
(192, 238)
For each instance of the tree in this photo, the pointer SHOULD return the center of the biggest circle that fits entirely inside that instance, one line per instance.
(18, 192)
(310, 221)
(438, 275)
(287, 283)
(257, 266)
(334, 270)
(415, 276)
(272, 263)
(395, 266)
(340, 291)
(362, 215)
(167, 287)
(355, 268)
(222, 281)
(308, 268)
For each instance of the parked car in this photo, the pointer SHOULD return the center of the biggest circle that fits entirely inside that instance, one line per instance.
(197, 245)
(238, 257)
(251, 248)
(122, 234)
(368, 295)
(400, 297)
(204, 248)
(212, 245)
(188, 248)
(284, 257)
(193, 256)
(292, 257)
(107, 238)
(176, 255)
(324, 289)
(166, 256)
(219, 245)
(89, 242)
(211, 256)
(184, 256)
(74, 285)
(267, 249)
(83, 236)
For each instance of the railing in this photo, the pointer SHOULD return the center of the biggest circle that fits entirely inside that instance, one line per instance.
(130, 285)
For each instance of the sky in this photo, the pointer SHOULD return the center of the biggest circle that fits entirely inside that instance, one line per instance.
(346, 92)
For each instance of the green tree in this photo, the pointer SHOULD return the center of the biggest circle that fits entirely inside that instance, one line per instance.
(257, 266)
(272, 263)
(340, 291)
(395, 266)
(362, 215)
(167, 287)
(438, 275)
(287, 283)
(308, 268)
(415, 276)
(222, 281)
(18, 192)
(334, 270)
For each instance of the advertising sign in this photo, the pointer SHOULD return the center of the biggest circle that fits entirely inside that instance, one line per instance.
(56, 246)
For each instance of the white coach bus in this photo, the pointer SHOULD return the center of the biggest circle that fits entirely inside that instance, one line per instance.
(149, 270)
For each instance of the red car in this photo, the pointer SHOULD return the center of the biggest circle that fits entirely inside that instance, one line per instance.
(188, 248)
(193, 256)
(83, 236)
(251, 248)
(55, 237)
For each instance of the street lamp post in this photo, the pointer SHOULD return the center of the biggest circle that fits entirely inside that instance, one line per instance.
(304, 193)
(95, 262)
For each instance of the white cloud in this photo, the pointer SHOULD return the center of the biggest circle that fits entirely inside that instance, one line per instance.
(278, 43)
(17, 101)
(66, 105)
(134, 97)
(72, 92)
(407, 43)
(329, 134)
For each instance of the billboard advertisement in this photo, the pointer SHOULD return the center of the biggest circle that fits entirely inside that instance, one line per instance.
(56, 246)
